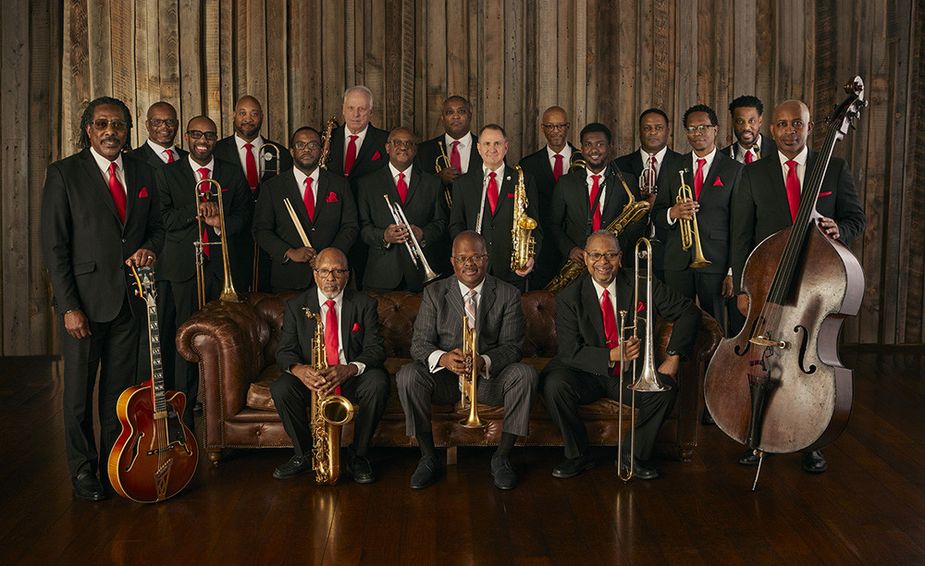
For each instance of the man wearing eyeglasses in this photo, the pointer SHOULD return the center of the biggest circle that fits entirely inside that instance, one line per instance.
(183, 202)
(324, 209)
(355, 357)
(100, 214)
(162, 126)
(492, 308)
(587, 366)
(546, 166)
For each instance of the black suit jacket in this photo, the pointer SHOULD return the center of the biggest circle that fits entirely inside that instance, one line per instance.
(580, 324)
(760, 207)
(335, 224)
(424, 208)
(713, 218)
(84, 243)
(766, 149)
(359, 330)
(227, 150)
(428, 151)
(146, 154)
(178, 186)
(571, 212)
(467, 195)
(371, 155)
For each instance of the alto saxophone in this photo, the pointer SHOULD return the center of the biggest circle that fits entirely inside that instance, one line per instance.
(633, 211)
(523, 244)
(329, 414)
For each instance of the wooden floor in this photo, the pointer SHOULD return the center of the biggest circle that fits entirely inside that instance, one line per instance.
(868, 509)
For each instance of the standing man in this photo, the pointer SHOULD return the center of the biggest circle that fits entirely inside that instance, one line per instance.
(546, 166)
(260, 160)
(768, 200)
(587, 366)
(750, 145)
(492, 308)
(493, 216)
(100, 214)
(162, 126)
(324, 207)
(355, 358)
(179, 184)
(420, 197)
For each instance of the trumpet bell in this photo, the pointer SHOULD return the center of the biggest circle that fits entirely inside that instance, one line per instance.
(470, 422)
(700, 263)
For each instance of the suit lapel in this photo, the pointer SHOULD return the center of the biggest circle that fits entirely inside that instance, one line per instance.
(321, 198)
(712, 174)
(347, 318)
(294, 193)
(130, 187)
(453, 296)
(589, 298)
(488, 299)
(412, 186)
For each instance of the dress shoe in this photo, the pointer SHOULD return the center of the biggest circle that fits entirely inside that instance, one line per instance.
(572, 467)
(640, 470)
(426, 473)
(814, 462)
(296, 466)
(87, 486)
(361, 469)
(503, 472)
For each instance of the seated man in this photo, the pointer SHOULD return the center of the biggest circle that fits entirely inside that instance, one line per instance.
(355, 356)
(493, 307)
(587, 365)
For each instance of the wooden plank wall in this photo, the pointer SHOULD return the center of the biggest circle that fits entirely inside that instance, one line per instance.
(601, 60)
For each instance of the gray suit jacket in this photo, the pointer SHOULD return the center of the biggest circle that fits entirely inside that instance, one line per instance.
(500, 324)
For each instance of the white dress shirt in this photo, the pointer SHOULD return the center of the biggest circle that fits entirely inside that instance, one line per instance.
(300, 182)
(433, 361)
(659, 158)
(338, 308)
(801, 165)
(161, 151)
(103, 165)
(464, 147)
(741, 151)
(566, 154)
(600, 183)
(359, 142)
(257, 145)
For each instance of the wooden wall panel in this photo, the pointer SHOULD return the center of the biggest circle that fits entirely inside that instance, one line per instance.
(601, 61)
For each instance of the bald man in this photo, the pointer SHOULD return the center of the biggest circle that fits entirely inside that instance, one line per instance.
(545, 166)
(162, 126)
(420, 196)
(762, 206)
(178, 183)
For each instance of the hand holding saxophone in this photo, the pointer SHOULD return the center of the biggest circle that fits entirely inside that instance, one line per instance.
(334, 376)
(528, 267)
(309, 376)
(684, 210)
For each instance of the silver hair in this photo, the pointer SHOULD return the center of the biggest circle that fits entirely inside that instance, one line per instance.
(360, 88)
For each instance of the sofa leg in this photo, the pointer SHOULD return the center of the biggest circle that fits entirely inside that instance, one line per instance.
(451, 455)
(215, 457)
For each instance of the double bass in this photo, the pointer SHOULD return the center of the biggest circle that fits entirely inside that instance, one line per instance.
(155, 456)
(779, 386)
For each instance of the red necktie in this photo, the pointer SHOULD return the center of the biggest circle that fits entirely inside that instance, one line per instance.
(309, 199)
(748, 156)
(557, 168)
(402, 188)
(492, 192)
(117, 191)
(698, 179)
(331, 342)
(593, 204)
(611, 334)
(653, 166)
(169, 153)
(351, 156)
(250, 166)
(793, 189)
(204, 188)
(455, 159)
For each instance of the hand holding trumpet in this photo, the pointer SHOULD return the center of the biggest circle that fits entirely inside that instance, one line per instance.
(684, 210)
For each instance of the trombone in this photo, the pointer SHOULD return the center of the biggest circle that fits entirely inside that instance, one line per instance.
(411, 243)
(468, 382)
(443, 162)
(228, 293)
(648, 381)
(690, 231)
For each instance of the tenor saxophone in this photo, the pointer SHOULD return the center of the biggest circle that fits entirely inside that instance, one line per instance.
(328, 414)
(633, 211)
(523, 243)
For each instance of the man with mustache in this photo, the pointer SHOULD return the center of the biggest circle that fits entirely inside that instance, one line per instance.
(100, 214)
(747, 119)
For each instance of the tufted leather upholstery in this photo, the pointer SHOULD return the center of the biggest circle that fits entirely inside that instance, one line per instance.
(235, 347)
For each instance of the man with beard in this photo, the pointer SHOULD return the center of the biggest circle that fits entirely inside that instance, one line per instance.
(182, 206)
(100, 214)
(750, 145)
(324, 207)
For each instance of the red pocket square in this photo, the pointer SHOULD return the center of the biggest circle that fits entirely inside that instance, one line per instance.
(356, 327)
(143, 193)
(718, 183)
(510, 195)
(640, 306)
(376, 156)
(825, 194)
(332, 197)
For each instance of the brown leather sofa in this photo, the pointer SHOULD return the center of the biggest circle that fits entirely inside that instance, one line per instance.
(235, 347)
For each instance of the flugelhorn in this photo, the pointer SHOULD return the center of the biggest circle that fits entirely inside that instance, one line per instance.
(228, 294)
(326, 142)
(648, 381)
(690, 231)
(442, 162)
(469, 381)
(411, 243)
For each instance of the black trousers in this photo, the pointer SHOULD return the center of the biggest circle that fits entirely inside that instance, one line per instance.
(707, 288)
(369, 392)
(112, 350)
(565, 389)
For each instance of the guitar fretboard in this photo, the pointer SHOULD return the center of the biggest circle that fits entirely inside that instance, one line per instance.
(157, 370)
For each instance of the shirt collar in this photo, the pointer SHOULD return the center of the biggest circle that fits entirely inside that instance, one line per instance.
(103, 164)
(196, 167)
(360, 135)
(499, 171)
(463, 141)
(300, 177)
(395, 172)
(566, 153)
(159, 149)
(706, 166)
(659, 155)
(464, 290)
(322, 298)
(800, 158)
(612, 289)
(257, 143)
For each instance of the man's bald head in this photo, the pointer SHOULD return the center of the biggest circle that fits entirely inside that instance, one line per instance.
(555, 127)
(248, 117)
(162, 124)
(790, 127)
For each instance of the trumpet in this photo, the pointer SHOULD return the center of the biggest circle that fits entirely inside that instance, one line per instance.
(443, 162)
(411, 243)
(326, 142)
(647, 183)
(648, 381)
(228, 294)
(468, 382)
(690, 232)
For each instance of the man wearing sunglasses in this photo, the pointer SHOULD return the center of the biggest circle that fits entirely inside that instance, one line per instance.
(185, 199)
(100, 214)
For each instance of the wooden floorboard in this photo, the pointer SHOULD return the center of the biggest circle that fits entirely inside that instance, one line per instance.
(869, 508)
